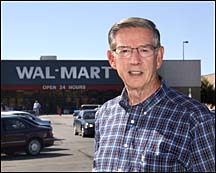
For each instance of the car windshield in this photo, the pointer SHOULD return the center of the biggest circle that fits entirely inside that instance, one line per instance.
(89, 115)
(31, 121)
(27, 116)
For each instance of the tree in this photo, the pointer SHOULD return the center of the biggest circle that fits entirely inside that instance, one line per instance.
(207, 92)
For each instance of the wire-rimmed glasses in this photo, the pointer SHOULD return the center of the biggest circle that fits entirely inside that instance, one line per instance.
(143, 50)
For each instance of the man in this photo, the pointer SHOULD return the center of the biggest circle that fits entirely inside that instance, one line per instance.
(36, 108)
(149, 127)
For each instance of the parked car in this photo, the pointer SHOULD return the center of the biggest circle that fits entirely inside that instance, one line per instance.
(83, 124)
(89, 106)
(28, 115)
(19, 133)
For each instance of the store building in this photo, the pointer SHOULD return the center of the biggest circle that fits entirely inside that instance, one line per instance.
(69, 83)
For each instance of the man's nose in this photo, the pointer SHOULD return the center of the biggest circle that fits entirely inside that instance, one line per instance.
(135, 56)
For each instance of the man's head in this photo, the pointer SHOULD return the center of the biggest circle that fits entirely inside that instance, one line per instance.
(135, 52)
(133, 22)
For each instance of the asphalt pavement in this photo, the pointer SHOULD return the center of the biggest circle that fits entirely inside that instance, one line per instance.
(70, 153)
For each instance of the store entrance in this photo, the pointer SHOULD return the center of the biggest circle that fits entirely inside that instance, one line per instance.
(67, 100)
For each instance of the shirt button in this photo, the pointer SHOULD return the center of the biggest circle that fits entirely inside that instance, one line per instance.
(145, 113)
(125, 145)
(132, 121)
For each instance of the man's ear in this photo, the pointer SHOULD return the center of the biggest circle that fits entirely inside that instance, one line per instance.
(160, 57)
(111, 59)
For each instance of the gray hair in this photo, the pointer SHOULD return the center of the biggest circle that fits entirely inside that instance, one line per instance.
(133, 22)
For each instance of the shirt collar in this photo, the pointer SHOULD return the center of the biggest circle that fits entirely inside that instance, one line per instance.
(150, 102)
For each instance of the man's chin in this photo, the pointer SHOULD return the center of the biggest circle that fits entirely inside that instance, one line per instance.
(134, 86)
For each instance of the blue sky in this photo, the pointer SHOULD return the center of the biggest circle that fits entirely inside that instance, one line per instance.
(78, 30)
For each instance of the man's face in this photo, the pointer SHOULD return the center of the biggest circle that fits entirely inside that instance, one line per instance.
(136, 71)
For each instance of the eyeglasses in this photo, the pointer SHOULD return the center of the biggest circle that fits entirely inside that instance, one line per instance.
(126, 51)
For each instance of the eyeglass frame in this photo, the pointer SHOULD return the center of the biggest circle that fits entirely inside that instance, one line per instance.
(137, 48)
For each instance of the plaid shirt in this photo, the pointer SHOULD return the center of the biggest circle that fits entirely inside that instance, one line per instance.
(168, 132)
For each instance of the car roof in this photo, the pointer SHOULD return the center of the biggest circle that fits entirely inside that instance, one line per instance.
(88, 110)
(5, 112)
(17, 112)
(29, 121)
(89, 106)
(6, 115)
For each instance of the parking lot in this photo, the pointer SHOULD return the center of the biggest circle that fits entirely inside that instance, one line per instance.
(70, 153)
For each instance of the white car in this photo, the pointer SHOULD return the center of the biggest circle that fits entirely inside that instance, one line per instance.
(28, 115)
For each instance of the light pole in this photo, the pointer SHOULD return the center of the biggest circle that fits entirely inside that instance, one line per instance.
(183, 47)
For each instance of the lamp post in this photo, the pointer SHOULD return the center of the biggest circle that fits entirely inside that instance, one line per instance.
(183, 47)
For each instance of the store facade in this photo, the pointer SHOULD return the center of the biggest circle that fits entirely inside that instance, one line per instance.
(69, 83)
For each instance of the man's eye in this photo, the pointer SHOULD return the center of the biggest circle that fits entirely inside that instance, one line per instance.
(144, 50)
(125, 50)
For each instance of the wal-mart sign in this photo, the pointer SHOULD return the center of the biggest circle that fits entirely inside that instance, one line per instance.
(54, 72)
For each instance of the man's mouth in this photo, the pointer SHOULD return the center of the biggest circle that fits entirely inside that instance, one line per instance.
(135, 72)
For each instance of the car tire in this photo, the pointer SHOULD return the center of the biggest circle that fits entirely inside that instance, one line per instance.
(75, 131)
(33, 147)
(83, 132)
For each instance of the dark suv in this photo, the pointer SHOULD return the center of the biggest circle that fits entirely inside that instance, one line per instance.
(20, 134)
(84, 123)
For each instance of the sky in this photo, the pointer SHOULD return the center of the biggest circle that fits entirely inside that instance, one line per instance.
(78, 30)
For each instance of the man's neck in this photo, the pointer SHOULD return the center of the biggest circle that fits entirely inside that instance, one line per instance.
(139, 95)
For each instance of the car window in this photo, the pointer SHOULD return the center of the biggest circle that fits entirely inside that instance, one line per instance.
(31, 121)
(89, 115)
(26, 115)
(14, 124)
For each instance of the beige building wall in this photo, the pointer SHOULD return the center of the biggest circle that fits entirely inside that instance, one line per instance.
(210, 78)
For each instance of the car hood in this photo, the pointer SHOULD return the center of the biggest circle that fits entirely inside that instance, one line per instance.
(43, 121)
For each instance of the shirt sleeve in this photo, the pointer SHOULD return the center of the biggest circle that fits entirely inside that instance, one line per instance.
(203, 147)
(96, 140)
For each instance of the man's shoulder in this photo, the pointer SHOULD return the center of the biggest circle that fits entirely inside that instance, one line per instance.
(187, 104)
(106, 115)
(108, 107)
(111, 103)
(182, 99)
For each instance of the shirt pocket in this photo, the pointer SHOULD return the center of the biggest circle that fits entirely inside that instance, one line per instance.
(161, 162)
